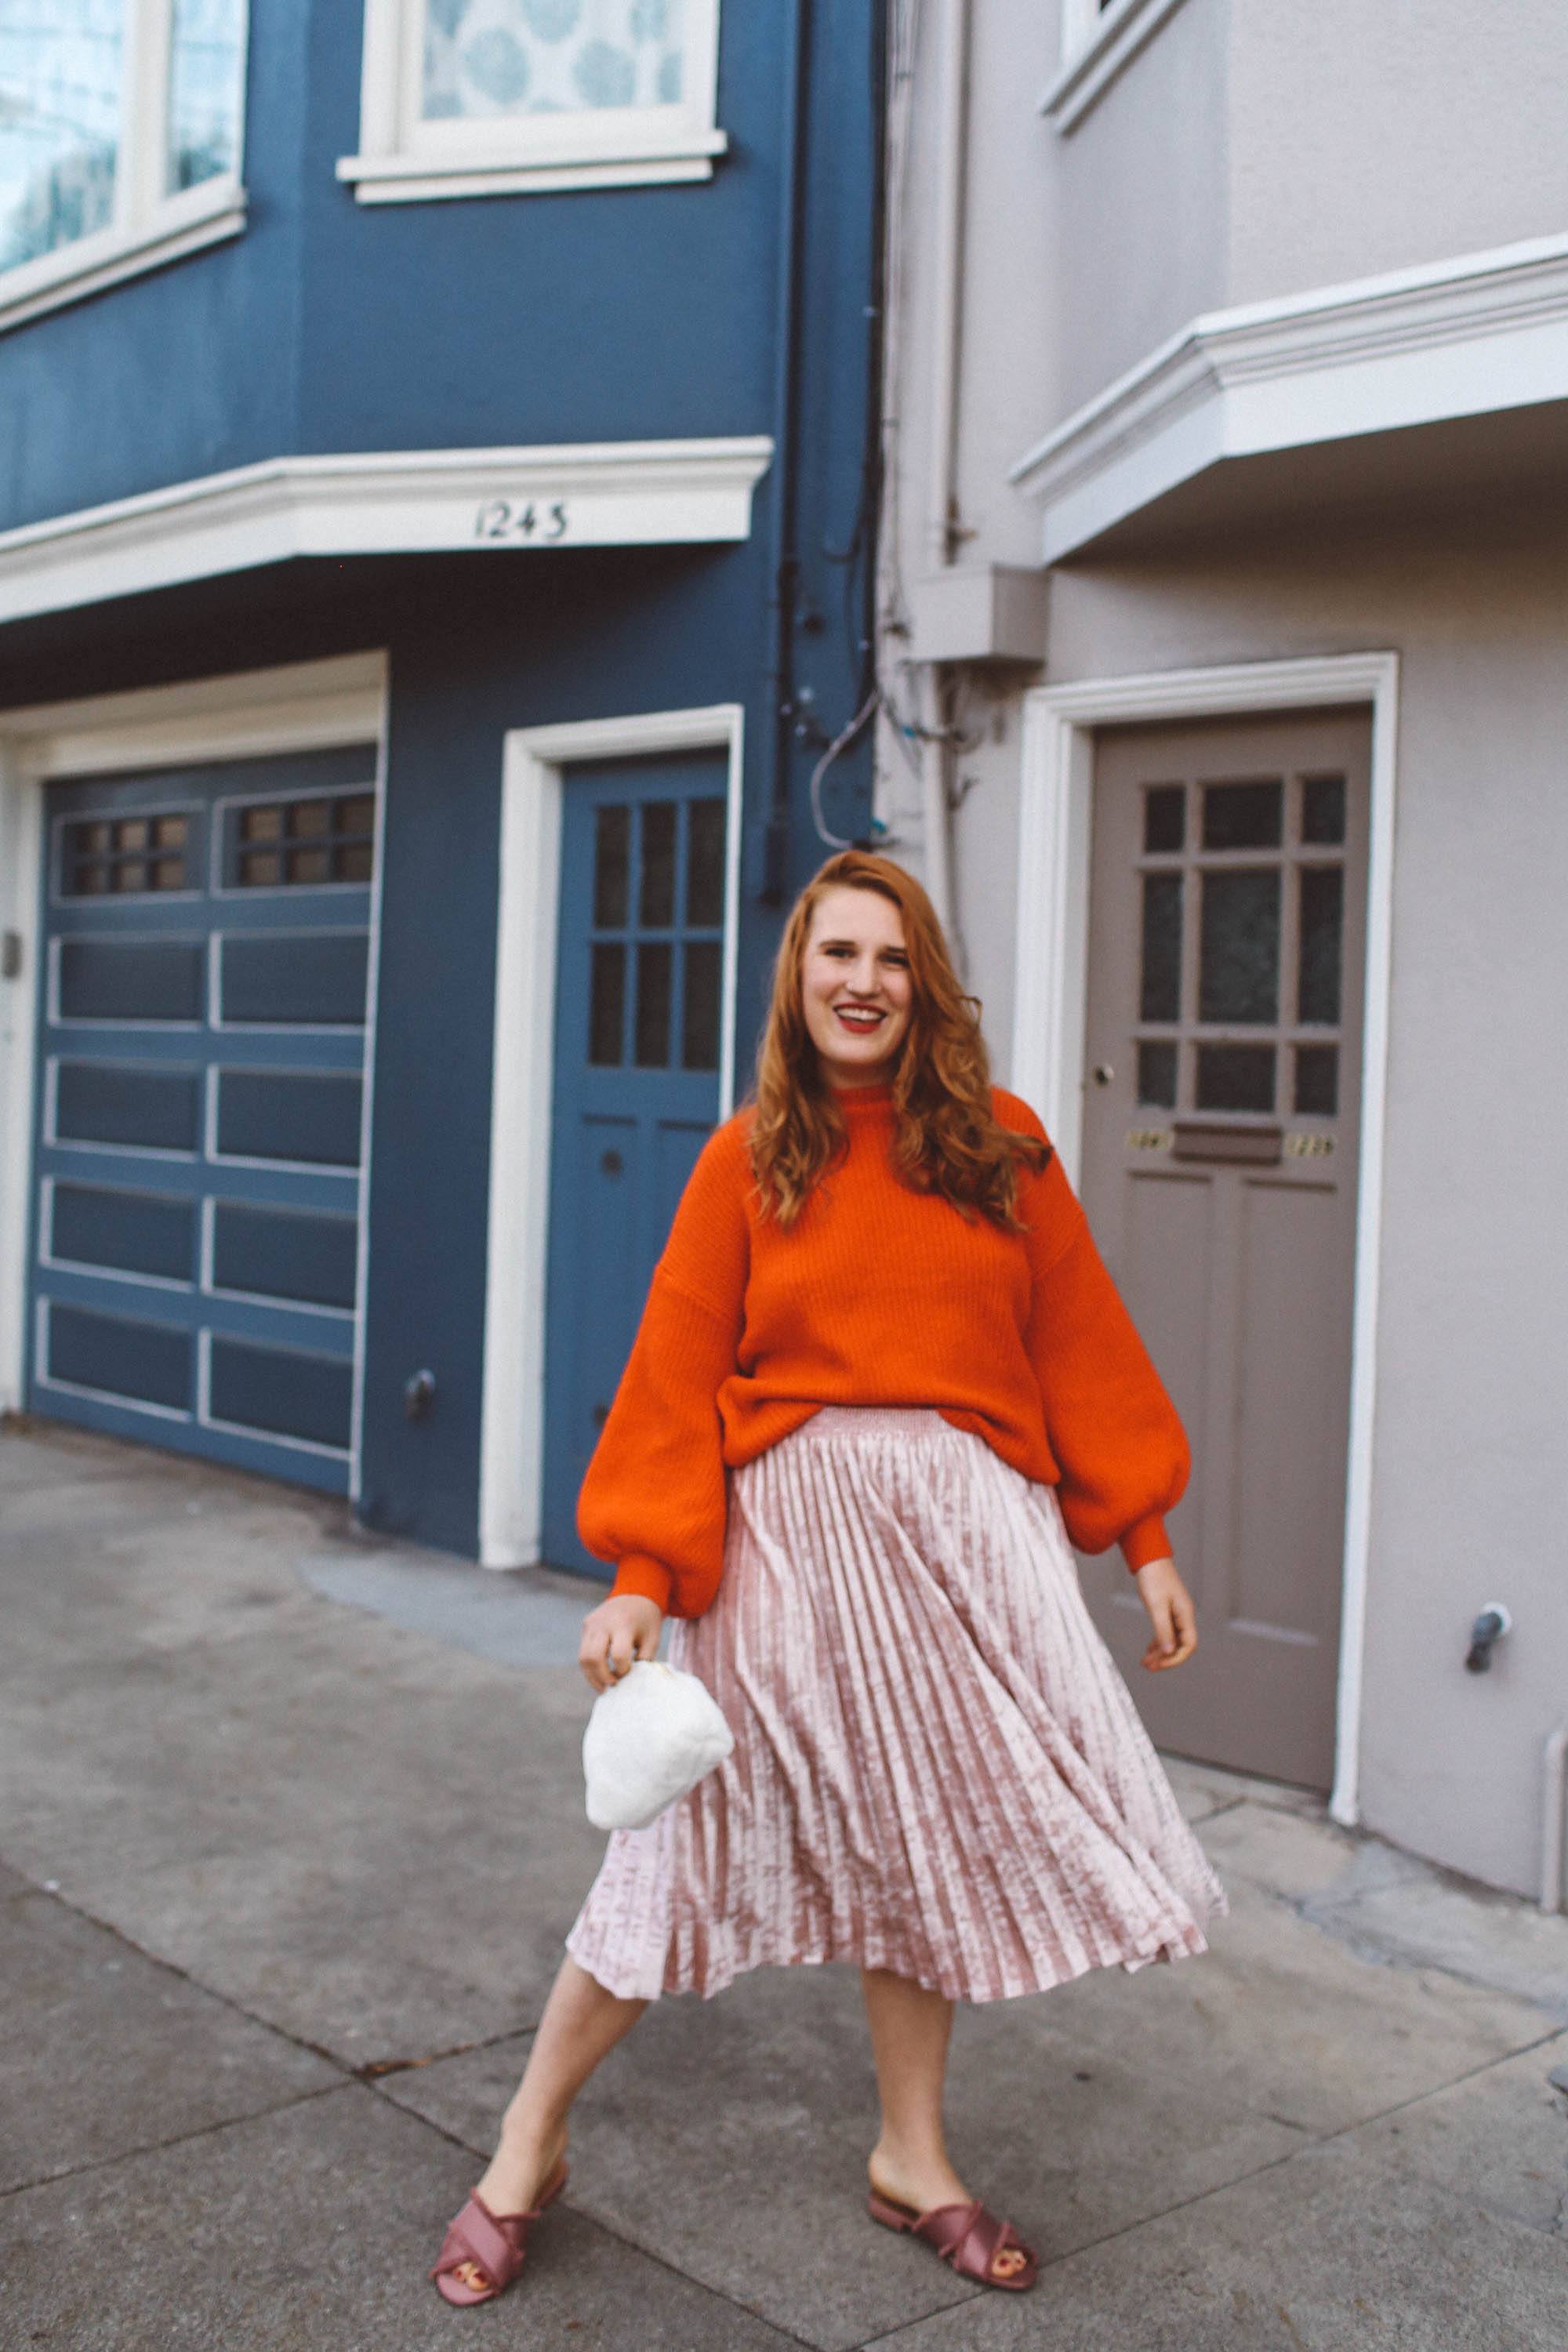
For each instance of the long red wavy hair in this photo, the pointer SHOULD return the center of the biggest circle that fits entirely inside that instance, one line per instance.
(947, 1139)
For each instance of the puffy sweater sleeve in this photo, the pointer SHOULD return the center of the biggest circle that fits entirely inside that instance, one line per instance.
(1117, 1441)
(653, 1499)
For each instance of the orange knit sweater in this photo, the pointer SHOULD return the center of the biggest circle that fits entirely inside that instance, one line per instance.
(876, 1295)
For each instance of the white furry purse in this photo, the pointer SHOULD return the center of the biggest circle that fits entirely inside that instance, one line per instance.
(651, 1737)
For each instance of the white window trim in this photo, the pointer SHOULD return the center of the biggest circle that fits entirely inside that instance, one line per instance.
(402, 159)
(150, 227)
(302, 706)
(1051, 994)
(1097, 43)
(511, 1416)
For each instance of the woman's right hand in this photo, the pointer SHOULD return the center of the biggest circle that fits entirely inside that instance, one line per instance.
(619, 1631)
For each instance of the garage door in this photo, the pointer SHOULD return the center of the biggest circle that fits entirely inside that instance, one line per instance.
(201, 1053)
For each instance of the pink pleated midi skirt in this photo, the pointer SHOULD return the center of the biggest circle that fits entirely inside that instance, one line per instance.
(937, 1769)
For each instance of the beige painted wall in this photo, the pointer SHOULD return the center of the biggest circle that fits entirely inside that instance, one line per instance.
(1473, 1367)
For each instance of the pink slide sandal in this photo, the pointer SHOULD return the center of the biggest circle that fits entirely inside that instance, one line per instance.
(970, 2237)
(482, 2252)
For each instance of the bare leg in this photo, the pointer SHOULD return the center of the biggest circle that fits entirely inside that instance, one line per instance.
(910, 2032)
(580, 2025)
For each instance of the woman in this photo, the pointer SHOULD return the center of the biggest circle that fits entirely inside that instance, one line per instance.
(882, 1385)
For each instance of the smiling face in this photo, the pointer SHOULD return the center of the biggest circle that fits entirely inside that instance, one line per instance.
(856, 990)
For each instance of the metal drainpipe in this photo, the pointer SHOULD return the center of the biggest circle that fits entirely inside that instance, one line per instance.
(786, 434)
(1554, 1815)
(953, 69)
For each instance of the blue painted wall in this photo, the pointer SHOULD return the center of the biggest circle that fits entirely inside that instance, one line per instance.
(637, 313)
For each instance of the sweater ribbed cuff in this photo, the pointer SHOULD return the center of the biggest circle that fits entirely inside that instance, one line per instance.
(1145, 1541)
(646, 1577)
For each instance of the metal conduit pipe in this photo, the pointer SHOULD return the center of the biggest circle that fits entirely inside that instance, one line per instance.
(953, 95)
(1555, 1817)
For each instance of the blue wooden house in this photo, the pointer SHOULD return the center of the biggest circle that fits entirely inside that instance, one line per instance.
(438, 465)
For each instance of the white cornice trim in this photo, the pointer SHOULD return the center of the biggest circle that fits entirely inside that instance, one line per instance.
(1112, 41)
(1479, 332)
(585, 494)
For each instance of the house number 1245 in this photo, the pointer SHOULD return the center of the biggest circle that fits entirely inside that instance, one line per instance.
(507, 519)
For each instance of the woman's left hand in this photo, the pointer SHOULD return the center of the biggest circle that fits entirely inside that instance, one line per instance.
(1172, 1614)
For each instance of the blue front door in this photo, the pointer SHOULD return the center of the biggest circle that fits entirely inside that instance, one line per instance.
(202, 1030)
(639, 1013)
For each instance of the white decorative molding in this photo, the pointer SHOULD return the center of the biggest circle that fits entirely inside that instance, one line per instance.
(1050, 992)
(565, 494)
(1464, 336)
(512, 1414)
(209, 214)
(1097, 43)
(404, 180)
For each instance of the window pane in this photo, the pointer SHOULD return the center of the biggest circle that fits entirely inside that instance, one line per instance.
(1236, 1078)
(1238, 976)
(1242, 816)
(60, 66)
(354, 814)
(653, 1004)
(1322, 922)
(656, 898)
(1161, 995)
(1157, 1074)
(309, 820)
(206, 90)
(1324, 809)
(1164, 816)
(1317, 1080)
(612, 849)
(705, 863)
(700, 1013)
(489, 58)
(607, 1001)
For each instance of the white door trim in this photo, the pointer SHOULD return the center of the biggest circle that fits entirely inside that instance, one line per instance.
(511, 1423)
(302, 706)
(1050, 993)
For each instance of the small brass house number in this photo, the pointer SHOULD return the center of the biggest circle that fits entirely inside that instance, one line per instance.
(1148, 1139)
(522, 518)
(1308, 1146)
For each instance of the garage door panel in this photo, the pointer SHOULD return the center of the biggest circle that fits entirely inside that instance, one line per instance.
(288, 1392)
(288, 1253)
(143, 981)
(198, 1196)
(142, 1107)
(120, 1355)
(142, 1233)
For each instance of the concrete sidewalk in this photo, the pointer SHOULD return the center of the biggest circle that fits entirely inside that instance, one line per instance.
(291, 1829)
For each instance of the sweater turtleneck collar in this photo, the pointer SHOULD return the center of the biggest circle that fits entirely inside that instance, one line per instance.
(864, 1102)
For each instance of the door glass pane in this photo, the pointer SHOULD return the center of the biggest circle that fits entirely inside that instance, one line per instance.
(61, 63)
(1324, 809)
(699, 1012)
(1164, 817)
(1243, 816)
(1238, 969)
(1236, 1078)
(653, 1004)
(206, 86)
(1157, 1074)
(607, 1002)
(612, 852)
(1322, 925)
(489, 57)
(656, 902)
(1317, 1080)
(705, 864)
(1160, 997)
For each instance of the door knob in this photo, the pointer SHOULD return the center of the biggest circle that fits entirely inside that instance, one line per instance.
(1103, 1074)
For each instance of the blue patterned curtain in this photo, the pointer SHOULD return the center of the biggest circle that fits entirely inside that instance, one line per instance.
(550, 56)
